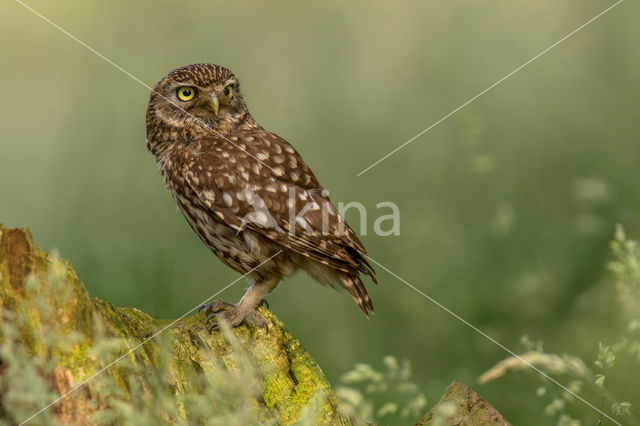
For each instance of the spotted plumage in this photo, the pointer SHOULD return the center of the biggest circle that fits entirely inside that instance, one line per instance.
(246, 192)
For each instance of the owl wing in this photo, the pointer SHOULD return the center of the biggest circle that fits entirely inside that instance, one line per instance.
(270, 190)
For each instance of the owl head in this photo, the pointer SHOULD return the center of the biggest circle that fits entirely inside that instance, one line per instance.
(196, 99)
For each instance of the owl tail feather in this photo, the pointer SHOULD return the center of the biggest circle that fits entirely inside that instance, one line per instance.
(356, 288)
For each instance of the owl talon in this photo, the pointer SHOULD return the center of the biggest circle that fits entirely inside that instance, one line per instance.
(213, 327)
(234, 317)
(216, 306)
(211, 317)
(264, 303)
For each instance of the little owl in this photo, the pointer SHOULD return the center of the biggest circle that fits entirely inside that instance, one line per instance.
(247, 193)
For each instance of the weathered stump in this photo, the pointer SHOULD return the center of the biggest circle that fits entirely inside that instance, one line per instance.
(54, 336)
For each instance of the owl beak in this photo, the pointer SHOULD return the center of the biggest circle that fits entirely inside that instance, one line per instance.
(214, 104)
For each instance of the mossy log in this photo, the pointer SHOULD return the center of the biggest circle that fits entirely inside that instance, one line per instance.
(68, 358)
(58, 321)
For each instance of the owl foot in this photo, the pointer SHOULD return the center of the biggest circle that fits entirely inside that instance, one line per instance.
(232, 315)
(215, 306)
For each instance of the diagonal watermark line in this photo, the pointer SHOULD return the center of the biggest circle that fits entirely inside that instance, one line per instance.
(112, 363)
(489, 88)
(486, 336)
(151, 89)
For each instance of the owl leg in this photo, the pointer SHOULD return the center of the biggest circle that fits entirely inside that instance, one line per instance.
(245, 309)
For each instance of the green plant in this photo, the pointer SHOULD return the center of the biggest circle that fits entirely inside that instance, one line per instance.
(625, 268)
(374, 395)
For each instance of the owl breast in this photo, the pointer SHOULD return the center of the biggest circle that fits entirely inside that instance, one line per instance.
(241, 250)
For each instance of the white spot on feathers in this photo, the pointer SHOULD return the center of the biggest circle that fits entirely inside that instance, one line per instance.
(260, 218)
(303, 223)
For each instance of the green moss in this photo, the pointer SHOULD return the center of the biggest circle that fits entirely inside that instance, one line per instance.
(277, 387)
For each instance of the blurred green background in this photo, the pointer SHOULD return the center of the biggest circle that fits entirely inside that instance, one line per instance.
(507, 208)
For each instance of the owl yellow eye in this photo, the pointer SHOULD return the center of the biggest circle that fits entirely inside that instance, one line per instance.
(186, 93)
(228, 91)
